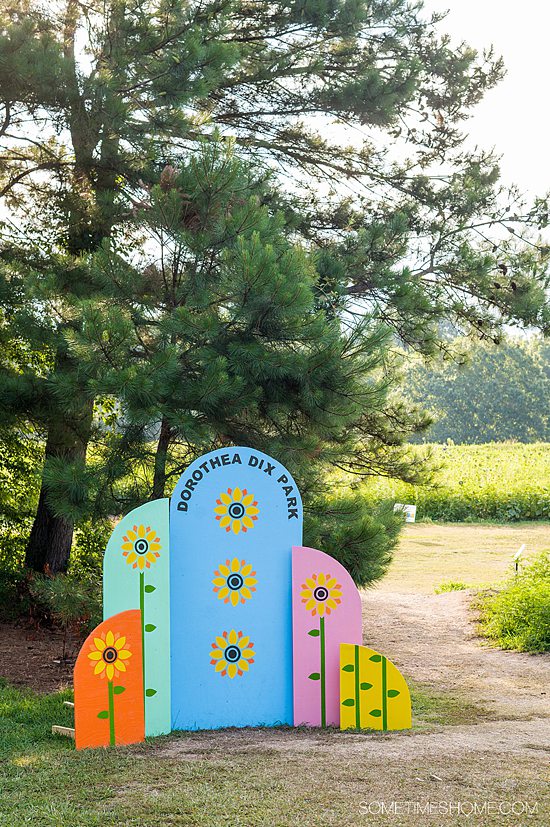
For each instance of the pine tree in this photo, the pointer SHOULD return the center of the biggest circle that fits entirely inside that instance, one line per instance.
(98, 99)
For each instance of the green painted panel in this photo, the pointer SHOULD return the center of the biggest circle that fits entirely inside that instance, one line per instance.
(136, 575)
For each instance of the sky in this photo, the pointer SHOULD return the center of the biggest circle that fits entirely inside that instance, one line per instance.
(515, 116)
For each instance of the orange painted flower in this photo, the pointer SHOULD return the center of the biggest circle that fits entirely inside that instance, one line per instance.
(232, 654)
(235, 581)
(109, 654)
(141, 547)
(321, 594)
(236, 510)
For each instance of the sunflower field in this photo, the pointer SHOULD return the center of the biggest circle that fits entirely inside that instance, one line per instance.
(504, 482)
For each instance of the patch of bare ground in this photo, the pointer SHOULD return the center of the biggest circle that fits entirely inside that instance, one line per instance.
(31, 656)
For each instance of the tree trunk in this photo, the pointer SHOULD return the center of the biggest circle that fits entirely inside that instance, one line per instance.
(159, 479)
(49, 545)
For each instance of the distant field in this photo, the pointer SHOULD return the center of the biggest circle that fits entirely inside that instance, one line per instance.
(476, 555)
(505, 482)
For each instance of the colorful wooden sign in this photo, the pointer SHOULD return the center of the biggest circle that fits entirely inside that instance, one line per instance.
(108, 684)
(216, 616)
(326, 609)
(373, 692)
(136, 575)
(234, 516)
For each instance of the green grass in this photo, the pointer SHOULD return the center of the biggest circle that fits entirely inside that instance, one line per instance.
(518, 616)
(451, 586)
(241, 778)
(505, 482)
(480, 555)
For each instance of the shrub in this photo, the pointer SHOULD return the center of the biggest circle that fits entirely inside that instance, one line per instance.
(518, 617)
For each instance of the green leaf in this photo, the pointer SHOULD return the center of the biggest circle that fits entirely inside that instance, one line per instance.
(149, 627)
(314, 633)
(348, 668)
(150, 589)
(376, 658)
(393, 693)
(348, 702)
(366, 686)
(150, 692)
(315, 676)
(118, 690)
(103, 714)
(376, 713)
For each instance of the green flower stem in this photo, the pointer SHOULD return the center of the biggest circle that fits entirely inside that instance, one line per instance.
(384, 694)
(142, 610)
(323, 686)
(111, 714)
(357, 694)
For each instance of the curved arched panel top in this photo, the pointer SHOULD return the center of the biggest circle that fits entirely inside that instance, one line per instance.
(326, 611)
(234, 516)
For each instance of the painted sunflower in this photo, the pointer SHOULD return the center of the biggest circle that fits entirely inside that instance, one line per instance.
(109, 655)
(232, 653)
(321, 594)
(236, 510)
(141, 547)
(235, 581)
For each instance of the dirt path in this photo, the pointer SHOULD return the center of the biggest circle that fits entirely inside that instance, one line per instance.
(432, 638)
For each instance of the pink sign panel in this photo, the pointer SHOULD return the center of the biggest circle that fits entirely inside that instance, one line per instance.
(326, 611)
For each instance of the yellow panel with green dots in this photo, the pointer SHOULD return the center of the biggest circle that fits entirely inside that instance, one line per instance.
(373, 692)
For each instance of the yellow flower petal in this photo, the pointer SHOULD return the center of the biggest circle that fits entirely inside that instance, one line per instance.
(234, 598)
(99, 644)
(224, 570)
(95, 655)
(155, 546)
(233, 637)
(331, 604)
(248, 499)
(221, 642)
(237, 495)
(321, 609)
(220, 509)
(119, 644)
(151, 536)
(127, 546)
(232, 670)
(109, 638)
(252, 510)
(141, 531)
(124, 654)
(321, 579)
(110, 671)
(245, 571)
(99, 667)
(248, 522)
(307, 594)
(246, 593)
(236, 526)
(131, 535)
(225, 498)
(244, 641)
(222, 594)
(218, 581)
(248, 653)
(331, 583)
(220, 666)
(235, 564)
(216, 654)
(132, 557)
(151, 557)
(310, 605)
(141, 563)
(120, 666)
(243, 664)
(311, 583)
(225, 521)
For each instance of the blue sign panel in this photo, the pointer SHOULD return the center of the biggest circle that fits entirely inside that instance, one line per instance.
(234, 516)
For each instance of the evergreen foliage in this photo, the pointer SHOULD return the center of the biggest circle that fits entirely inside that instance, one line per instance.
(281, 340)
